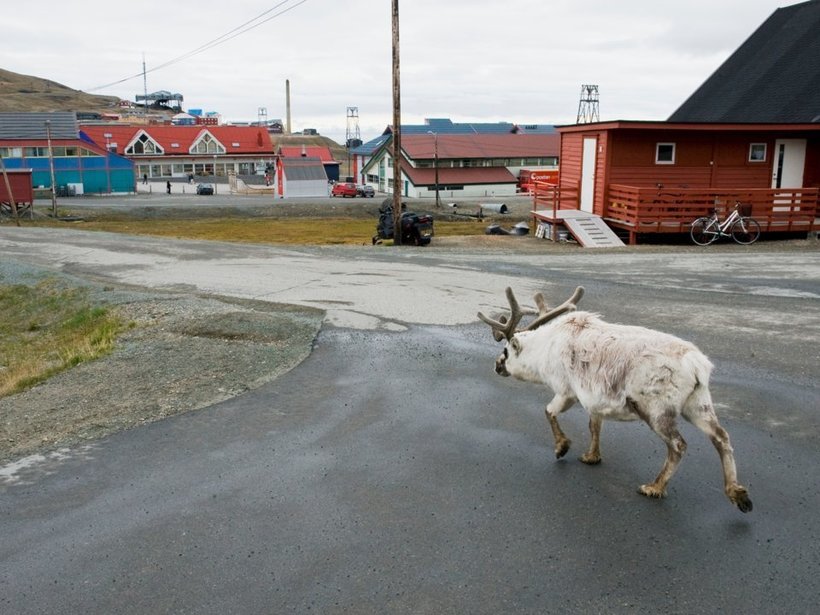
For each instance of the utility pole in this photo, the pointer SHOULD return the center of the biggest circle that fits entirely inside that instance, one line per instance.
(435, 163)
(396, 130)
(51, 170)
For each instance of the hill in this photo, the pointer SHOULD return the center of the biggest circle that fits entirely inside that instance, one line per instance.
(28, 93)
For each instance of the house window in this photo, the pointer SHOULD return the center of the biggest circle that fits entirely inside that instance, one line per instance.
(665, 153)
(207, 145)
(143, 145)
(757, 152)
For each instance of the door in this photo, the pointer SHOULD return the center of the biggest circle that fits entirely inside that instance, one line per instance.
(587, 196)
(788, 165)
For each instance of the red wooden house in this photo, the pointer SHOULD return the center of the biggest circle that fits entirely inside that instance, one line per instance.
(656, 177)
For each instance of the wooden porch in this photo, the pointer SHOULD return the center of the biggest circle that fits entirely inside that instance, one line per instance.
(635, 211)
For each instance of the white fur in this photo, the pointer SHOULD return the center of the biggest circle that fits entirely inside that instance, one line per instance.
(620, 372)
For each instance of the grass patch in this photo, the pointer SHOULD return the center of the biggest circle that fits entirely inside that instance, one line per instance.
(304, 231)
(46, 329)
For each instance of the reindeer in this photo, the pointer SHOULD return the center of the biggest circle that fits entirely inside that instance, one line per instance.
(616, 372)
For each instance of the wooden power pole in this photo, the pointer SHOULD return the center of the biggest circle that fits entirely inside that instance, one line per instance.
(397, 184)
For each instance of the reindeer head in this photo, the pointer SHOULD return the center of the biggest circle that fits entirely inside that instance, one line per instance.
(505, 328)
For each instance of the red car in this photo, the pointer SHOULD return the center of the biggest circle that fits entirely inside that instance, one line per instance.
(343, 189)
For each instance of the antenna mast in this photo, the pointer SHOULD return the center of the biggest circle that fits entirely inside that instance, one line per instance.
(588, 105)
(145, 90)
(353, 137)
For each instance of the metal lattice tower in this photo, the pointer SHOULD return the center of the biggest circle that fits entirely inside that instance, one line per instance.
(588, 105)
(353, 137)
(262, 116)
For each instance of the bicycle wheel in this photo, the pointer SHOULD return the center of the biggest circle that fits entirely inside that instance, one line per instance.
(704, 231)
(745, 230)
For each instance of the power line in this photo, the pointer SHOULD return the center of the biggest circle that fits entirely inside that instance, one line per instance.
(224, 38)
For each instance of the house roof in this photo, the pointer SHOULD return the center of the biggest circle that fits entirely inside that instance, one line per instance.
(481, 146)
(367, 149)
(445, 126)
(690, 127)
(236, 139)
(772, 77)
(458, 177)
(303, 169)
(311, 151)
(62, 125)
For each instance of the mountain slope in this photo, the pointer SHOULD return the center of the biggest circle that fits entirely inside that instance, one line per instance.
(28, 93)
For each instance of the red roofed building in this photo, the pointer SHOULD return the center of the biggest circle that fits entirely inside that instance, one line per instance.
(468, 165)
(164, 151)
(321, 152)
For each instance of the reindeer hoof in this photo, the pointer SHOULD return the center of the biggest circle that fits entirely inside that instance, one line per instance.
(561, 448)
(590, 460)
(651, 491)
(740, 498)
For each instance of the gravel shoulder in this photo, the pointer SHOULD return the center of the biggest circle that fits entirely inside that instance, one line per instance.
(182, 353)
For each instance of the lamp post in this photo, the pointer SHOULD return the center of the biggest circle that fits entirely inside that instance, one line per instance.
(214, 173)
(107, 136)
(435, 163)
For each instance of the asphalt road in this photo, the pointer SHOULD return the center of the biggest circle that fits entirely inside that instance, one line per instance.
(393, 472)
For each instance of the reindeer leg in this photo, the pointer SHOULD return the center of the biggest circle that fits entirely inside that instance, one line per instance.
(706, 420)
(663, 424)
(559, 404)
(593, 455)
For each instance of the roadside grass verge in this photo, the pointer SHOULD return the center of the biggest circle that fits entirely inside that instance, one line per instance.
(46, 329)
(295, 231)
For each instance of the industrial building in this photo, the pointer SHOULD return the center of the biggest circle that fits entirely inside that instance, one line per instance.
(51, 144)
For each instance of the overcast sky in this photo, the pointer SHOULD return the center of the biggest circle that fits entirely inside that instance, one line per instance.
(521, 61)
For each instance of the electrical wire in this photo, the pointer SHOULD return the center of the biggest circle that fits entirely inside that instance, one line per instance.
(224, 38)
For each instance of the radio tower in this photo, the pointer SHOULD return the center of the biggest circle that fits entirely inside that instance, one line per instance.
(262, 116)
(588, 105)
(352, 137)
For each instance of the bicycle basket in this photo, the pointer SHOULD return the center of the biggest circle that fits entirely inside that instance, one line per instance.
(744, 209)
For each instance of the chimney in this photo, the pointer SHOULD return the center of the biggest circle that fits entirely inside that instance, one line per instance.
(287, 105)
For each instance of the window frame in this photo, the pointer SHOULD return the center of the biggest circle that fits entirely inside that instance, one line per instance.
(658, 151)
(752, 147)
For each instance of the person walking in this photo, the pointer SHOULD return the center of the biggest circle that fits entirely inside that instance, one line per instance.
(168, 186)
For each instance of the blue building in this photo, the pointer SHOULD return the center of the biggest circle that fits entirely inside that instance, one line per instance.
(37, 140)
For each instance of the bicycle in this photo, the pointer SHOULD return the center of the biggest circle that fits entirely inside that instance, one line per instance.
(740, 226)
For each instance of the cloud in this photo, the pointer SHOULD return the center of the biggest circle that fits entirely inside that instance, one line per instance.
(520, 60)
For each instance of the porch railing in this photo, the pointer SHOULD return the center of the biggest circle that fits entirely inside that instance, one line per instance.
(549, 197)
(649, 210)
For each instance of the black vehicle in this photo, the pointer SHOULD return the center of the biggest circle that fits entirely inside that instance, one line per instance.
(365, 191)
(416, 229)
(204, 188)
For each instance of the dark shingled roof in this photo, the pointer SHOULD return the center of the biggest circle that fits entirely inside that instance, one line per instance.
(773, 77)
(63, 125)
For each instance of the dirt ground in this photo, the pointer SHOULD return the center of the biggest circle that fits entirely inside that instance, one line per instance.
(184, 352)
(188, 351)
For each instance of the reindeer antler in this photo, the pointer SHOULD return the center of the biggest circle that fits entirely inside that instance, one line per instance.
(545, 315)
(505, 328)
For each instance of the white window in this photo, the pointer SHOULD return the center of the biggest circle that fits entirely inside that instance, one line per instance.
(207, 144)
(665, 153)
(143, 145)
(757, 152)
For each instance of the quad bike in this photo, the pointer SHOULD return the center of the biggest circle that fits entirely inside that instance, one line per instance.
(416, 229)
